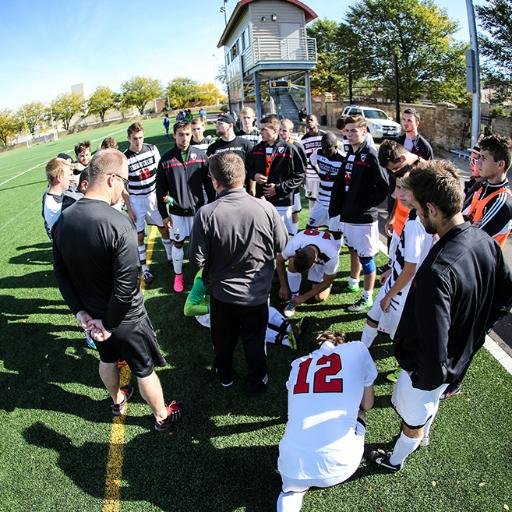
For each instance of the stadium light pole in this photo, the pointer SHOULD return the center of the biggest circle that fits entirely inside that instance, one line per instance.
(223, 10)
(473, 73)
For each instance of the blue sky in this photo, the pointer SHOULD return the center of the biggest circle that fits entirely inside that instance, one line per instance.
(48, 45)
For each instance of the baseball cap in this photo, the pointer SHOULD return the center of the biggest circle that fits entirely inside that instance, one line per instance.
(226, 118)
(475, 149)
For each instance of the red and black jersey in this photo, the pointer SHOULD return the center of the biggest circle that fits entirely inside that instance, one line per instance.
(282, 164)
(185, 180)
(360, 186)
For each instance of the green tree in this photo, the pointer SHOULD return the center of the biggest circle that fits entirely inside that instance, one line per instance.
(495, 18)
(182, 92)
(209, 94)
(33, 115)
(10, 126)
(139, 91)
(65, 106)
(331, 71)
(120, 104)
(420, 34)
(101, 101)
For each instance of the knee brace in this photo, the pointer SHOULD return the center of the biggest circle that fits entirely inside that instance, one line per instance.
(368, 264)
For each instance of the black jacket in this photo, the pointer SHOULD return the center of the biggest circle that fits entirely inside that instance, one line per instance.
(186, 182)
(286, 170)
(461, 289)
(420, 146)
(360, 186)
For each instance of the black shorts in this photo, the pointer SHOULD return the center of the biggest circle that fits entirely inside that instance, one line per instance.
(135, 343)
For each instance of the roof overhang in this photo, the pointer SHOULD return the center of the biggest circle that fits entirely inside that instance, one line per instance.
(240, 8)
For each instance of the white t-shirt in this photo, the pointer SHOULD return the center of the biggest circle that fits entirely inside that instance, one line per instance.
(328, 247)
(325, 389)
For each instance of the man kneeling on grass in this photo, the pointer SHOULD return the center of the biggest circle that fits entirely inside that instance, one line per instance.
(329, 392)
(312, 250)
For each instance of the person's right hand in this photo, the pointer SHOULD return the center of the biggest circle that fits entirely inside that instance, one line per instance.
(259, 178)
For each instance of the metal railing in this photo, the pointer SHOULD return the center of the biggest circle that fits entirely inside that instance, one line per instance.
(300, 49)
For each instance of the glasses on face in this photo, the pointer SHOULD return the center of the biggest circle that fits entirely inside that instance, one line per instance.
(125, 181)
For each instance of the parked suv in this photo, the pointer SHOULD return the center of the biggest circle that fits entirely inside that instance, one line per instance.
(380, 125)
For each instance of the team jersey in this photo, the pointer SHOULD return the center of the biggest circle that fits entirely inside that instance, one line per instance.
(413, 247)
(238, 145)
(253, 136)
(203, 144)
(491, 207)
(328, 259)
(311, 142)
(328, 167)
(325, 389)
(142, 170)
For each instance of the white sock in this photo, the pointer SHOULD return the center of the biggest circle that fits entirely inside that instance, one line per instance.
(168, 248)
(290, 501)
(367, 294)
(352, 281)
(295, 228)
(403, 448)
(369, 334)
(142, 257)
(274, 317)
(177, 259)
(311, 203)
(294, 280)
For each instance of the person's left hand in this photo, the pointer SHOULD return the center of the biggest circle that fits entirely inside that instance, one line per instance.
(385, 302)
(84, 320)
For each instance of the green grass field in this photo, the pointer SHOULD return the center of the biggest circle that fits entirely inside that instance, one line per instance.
(55, 417)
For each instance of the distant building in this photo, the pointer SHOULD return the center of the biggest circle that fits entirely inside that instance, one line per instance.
(268, 56)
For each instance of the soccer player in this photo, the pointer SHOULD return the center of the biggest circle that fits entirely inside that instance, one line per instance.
(327, 162)
(314, 251)
(97, 269)
(280, 331)
(329, 392)
(83, 154)
(462, 288)
(412, 248)
(277, 169)
(198, 139)
(58, 174)
(411, 139)
(490, 207)
(142, 165)
(286, 134)
(249, 131)
(183, 175)
(311, 141)
(360, 186)
(394, 157)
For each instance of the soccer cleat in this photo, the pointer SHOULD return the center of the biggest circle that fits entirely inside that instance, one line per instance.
(361, 305)
(350, 288)
(289, 310)
(120, 408)
(381, 459)
(148, 277)
(174, 413)
(452, 390)
(393, 376)
(178, 285)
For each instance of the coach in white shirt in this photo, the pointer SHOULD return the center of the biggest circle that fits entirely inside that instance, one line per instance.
(329, 392)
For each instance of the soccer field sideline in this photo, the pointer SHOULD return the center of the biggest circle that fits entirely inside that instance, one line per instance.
(254, 492)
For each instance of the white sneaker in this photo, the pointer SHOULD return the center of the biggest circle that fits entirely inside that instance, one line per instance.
(289, 310)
